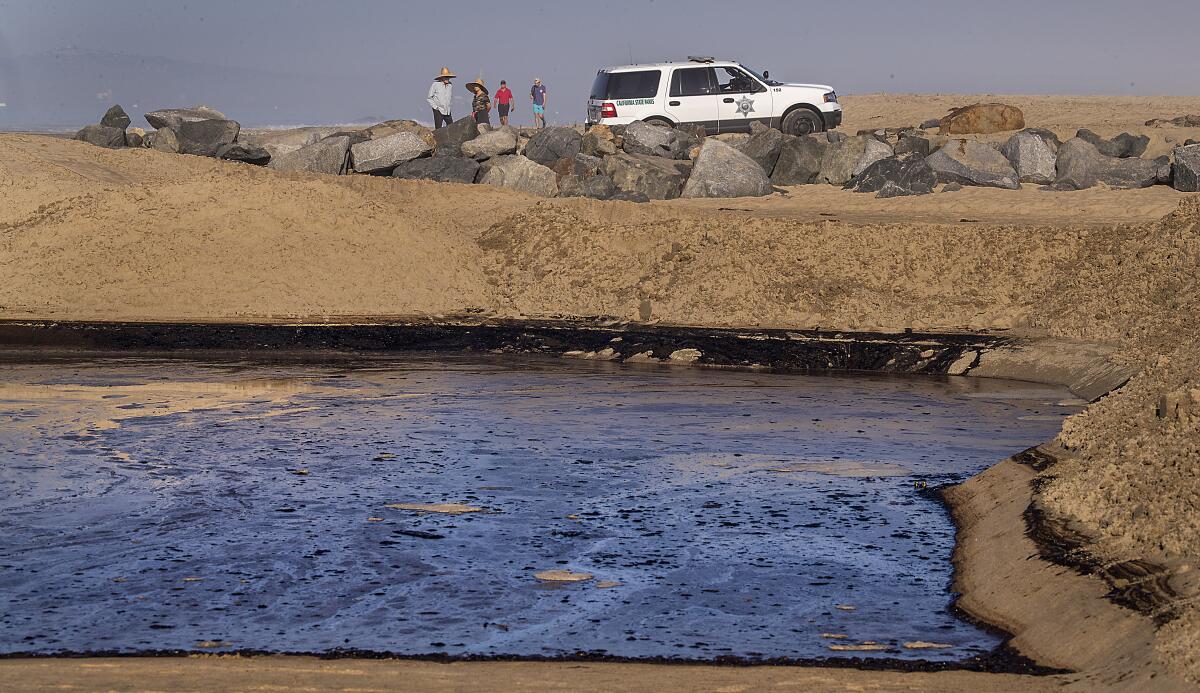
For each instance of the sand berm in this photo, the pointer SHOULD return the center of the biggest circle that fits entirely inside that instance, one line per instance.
(94, 234)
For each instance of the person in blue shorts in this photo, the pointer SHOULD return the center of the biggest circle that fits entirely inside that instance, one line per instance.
(537, 94)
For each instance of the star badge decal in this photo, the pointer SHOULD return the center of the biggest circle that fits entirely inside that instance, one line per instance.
(745, 106)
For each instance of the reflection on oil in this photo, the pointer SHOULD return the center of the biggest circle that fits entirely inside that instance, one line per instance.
(418, 506)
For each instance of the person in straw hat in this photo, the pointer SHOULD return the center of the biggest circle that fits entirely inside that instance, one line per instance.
(481, 105)
(440, 93)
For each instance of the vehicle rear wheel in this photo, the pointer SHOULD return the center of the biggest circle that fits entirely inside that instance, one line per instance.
(659, 122)
(802, 121)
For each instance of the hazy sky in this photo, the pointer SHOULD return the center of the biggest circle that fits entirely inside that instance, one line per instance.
(300, 60)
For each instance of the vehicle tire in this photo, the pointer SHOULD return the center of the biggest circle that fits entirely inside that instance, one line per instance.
(660, 122)
(801, 121)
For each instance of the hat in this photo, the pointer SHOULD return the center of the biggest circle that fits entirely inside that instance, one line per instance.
(477, 83)
(537, 80)
(446, 73)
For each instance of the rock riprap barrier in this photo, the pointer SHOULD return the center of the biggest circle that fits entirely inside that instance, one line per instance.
(641, 161)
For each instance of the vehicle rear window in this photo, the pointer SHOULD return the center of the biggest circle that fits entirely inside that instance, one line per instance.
(626, 85)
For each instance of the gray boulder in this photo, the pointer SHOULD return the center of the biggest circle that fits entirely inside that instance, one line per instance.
(551, 144)
(165, 140)
(873, 150)
(280, 142)
(498, 142)
(650, 140)
(912, 143)
(443, 169)
(764, 147)
(134, 139)
(967, 162)
(1080, 165)
(519, 173)
(386, 153)
(1032, 156)
(116, 117)
(448, 141)
(653, 176)
(239, 151)
(175, 117)
(840, 160)
(205, 137)
(724, 171)
(596, 187)
(328, 156)
(931, 124)
(1123, 146)
(1046, 136)
(102, 136)
(1185, 172)
(896, 176)
(799, 161)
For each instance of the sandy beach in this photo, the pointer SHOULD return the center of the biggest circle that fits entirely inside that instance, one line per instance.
(138, 235)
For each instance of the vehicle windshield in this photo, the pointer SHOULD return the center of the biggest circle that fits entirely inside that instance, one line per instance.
(759, 77)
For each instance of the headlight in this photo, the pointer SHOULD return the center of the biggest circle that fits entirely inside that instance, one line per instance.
(831, 97)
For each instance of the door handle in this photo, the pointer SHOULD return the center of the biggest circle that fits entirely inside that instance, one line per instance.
(728, 99)
(672, 103)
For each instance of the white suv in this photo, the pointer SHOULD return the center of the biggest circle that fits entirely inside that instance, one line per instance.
(721, 95)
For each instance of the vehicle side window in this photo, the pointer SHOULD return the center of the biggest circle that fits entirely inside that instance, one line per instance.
(632, 85)
(692, 81)
(733, 81)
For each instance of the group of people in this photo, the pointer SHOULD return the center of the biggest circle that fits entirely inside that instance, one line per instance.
(482, 103)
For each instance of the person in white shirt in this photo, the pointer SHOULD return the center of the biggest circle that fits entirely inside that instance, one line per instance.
(440, 93)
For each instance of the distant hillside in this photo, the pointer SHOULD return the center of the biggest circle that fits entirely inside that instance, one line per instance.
(66, 90)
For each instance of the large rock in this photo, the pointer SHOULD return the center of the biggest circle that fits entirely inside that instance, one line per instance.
(1122, 146)
(799, 161)
(386, 153)
(1032, 156)
(653, 176)
(498, 142)
(175, 117)
(599, 141)
(116, 117)
(967, 162)
(724, 171)
(841, 159)
(982, 119)
(280, 142)
(395, 127)
(551, 144)
(329, 156)
(165, 140)
(764, 147)
(134, 139)
(1186, 121)
(205, 137)
(658, 140)
(581, 165)
(443, 169)
(519, 173)
(1185, 172)
(896, 176)
(1080, 165)
(102, 136)
(597, 187)
(913, 143)
(450, 139)
(873, 150)
(247, 154)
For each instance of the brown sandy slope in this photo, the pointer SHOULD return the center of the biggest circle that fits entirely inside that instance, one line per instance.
(87, 233)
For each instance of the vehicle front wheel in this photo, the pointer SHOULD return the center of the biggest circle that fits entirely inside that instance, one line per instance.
(802, 122)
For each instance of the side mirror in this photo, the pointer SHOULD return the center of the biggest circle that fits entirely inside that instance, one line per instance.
(766, 74)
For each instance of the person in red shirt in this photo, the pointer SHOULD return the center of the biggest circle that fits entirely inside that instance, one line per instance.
(504, 102)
